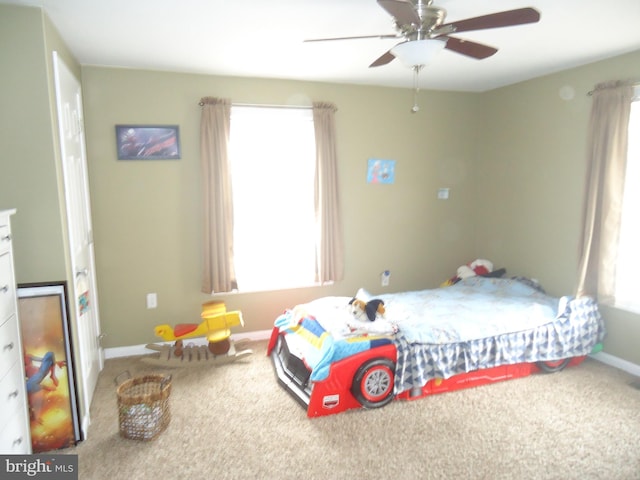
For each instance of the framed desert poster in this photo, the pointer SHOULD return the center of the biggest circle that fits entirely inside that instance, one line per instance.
(48, 358)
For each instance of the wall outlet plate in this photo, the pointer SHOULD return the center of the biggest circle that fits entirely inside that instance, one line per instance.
(152, 300)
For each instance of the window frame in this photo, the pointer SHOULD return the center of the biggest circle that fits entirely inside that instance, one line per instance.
(623, 296)
(266, 284)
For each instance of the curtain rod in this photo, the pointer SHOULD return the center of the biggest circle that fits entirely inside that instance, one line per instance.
(262, 105)
(632, 83)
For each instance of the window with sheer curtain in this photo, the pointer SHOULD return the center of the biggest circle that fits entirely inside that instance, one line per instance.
(627, 294)
(272, 158)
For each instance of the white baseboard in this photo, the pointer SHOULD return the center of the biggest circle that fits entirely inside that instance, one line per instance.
(134, 350)
(620, 363)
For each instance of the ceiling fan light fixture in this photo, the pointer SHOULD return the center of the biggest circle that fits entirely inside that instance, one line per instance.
(418, 52)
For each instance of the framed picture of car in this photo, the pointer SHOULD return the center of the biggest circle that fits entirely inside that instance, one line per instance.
(148, 142)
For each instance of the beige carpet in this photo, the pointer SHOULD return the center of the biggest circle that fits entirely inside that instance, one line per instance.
(236, 422)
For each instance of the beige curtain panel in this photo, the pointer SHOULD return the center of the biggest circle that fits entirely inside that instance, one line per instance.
(607, 160)
(329, 246)
(218, 272)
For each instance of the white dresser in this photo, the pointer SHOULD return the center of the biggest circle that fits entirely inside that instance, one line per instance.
(14, 411)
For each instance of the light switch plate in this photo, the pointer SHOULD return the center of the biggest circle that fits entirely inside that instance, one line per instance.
(443, 193)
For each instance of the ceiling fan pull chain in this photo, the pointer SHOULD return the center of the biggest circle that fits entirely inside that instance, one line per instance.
(416, 87)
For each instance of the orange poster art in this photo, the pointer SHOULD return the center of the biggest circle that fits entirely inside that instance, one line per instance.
(49, 376)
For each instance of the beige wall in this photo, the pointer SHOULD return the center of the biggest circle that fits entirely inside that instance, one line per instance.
(147, 215)
(513, 158)
(531, 181)
(30, 167)
(28, 180)
(30, 174)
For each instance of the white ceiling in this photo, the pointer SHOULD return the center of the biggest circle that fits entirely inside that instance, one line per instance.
(258, 38)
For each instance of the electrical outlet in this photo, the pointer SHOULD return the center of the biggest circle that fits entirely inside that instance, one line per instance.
(152, 300)
(384, 278)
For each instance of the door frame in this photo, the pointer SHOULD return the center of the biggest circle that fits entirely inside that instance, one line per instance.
(85, 391)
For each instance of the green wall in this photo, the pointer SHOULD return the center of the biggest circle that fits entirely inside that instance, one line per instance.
(30, 177)
(30, 166)
(147, 215)
(28, 180)
(514, 159)
(531, 178)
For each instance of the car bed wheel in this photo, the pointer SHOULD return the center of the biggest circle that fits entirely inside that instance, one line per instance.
(373, 383)
(554, 365)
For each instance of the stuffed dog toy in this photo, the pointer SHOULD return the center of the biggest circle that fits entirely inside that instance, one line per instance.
(370, 308)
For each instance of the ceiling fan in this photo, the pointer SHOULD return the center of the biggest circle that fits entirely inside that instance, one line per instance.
(421, 25)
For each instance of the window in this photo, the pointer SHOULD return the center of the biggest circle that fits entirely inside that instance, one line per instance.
(272, 157)
(627, 295)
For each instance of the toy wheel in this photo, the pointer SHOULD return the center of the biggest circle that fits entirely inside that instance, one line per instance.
(373, 383)
(220, 348)
(554, 365)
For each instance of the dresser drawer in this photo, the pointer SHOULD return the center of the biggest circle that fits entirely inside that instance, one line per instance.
(7, 288)
(9, 346)
(5, 238)
(14, 437)
(12, 392)
(14, 417)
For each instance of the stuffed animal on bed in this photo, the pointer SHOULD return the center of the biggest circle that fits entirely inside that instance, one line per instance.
(480, 267)
(371, 309)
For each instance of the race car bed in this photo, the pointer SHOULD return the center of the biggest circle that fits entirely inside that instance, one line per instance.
(478, 331)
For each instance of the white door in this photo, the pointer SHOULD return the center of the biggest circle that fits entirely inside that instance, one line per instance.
(82, 293)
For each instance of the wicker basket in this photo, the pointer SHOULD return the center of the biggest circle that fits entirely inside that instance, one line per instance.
(143, 406)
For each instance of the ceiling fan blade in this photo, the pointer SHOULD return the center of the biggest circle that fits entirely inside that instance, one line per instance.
(469, 48)
(402, 10)
(495, 20)
(385, 58)
(391, 35)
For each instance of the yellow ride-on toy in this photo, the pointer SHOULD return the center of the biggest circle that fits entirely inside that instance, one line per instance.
(215, 326)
